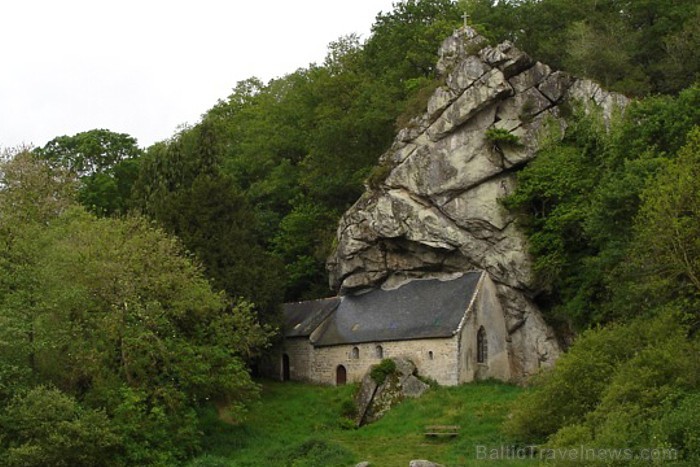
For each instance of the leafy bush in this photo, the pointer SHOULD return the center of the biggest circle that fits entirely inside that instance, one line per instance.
(152, 434)
(47, 427)
(346, 424)
(589, 375)
(501, 137)
(380, 372)
(573, 388)
(420, 90)
(527, 111)
(679, 427)
(629, 385)
(378, 175)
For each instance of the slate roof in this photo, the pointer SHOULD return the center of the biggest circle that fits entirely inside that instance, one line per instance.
(417, 310)
(301, 318)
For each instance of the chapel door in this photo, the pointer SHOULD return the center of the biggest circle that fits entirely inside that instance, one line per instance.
(341, 376)
(285, 367)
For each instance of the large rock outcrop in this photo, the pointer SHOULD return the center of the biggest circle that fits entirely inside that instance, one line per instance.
(374, 399)
(438, 210)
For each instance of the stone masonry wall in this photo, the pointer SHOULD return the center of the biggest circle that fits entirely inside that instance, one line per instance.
(487, 312)
(441, 368)
(301, 357)
(300, 352)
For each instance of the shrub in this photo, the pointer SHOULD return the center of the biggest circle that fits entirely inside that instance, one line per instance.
(48, 427)
(346, 424)
(527, 111)
(419, 91)
(380, 372)
(631, 385)
(680, 427)
(501, 137)
(378, 174)
(154, 434)
(574, 387)
(600, 370)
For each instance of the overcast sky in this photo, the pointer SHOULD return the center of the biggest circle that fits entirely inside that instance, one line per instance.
(144, 67)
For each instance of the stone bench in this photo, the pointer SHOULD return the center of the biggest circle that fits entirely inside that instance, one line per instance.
(442, 430)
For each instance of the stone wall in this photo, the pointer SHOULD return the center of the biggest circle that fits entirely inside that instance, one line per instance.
(442, 366)
(300, 353)
(487, 312)
(318, 364)
(301, 358)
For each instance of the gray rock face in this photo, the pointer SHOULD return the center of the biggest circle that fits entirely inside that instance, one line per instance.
(374, 400)
(364, 397)
(423, 463)
(438, 211)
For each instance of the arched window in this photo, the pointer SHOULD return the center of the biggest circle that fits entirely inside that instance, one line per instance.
(430, 355)
(379, 352)
(482, 347)
(355, 353)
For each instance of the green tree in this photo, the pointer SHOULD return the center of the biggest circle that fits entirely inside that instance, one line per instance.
(404, 41)
(90, 152)
(32, 195)
(303, 243)
(604, 53)
(630, 38)
(106, 163)
(553, 198)
(667, 233)
(113, 314)
(216, 223)
(182, 186)
(681, 66)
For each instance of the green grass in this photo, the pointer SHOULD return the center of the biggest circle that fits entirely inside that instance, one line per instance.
(300, 424)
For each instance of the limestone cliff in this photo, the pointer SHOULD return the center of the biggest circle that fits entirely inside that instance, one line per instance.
(438, 210)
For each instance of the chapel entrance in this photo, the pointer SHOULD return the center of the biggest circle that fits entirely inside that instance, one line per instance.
(285, 367)
(341, 375)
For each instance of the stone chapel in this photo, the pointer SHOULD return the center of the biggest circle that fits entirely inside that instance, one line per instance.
(453, 329)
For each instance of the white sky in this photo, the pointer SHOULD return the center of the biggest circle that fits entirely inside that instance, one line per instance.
(143, 67)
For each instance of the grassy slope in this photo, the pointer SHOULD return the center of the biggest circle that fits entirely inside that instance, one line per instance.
(290, 414)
